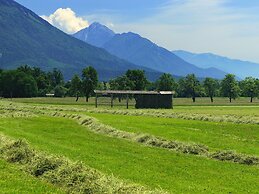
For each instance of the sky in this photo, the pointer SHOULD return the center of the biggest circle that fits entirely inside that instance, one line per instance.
(225, 27)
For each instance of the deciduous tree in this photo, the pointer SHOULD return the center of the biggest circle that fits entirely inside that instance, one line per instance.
(190, 86)
(89, 81)
(138, 79)
(211, 86)
(166, 82)
(229, 87)
(250, 87)
(76, 86)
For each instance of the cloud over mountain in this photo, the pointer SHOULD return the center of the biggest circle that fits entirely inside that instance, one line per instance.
(66, 20)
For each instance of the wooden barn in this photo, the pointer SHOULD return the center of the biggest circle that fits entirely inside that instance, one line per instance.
(144, 99)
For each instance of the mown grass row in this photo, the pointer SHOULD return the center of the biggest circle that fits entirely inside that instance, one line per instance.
(239, 119)
(243, 138)
(150, 140)
(14, 180)
(154, 167)
(104, 101)
(146, 139)
(185, 116)
(6, 112)
(73, 177)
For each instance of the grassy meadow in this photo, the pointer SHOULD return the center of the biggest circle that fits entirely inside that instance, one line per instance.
(13, 180)
(131, 162)
(218, 101)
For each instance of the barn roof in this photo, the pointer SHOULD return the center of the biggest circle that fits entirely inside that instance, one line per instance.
(104, 92)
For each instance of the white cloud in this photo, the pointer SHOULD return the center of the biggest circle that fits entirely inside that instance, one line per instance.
(66, 20)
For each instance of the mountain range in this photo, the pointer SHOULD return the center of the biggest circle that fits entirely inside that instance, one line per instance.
(26, 38)
(141, 51)
(240, 68)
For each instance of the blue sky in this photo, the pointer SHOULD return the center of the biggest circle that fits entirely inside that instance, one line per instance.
(130, 8)
(226, 27)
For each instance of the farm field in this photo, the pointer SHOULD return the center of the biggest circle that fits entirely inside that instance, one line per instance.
(221, 106)
(218, 101)
(49, 126)
(13, 180)
(242, 138)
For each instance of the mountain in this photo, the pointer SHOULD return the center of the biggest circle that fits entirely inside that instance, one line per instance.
(25, 38)
(96, 34)
(207, 60)
(141, 51)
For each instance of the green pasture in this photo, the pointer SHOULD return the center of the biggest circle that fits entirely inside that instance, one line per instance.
(242, 138)
(152, 167)
(105, 101)
(14, 180)
(239, 107)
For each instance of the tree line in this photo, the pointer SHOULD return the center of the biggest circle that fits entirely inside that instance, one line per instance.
(28, 81)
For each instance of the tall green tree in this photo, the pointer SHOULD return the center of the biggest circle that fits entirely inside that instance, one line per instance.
(250, 87)
(56, 78)
(7, 83)
(60, 91)
(15, 83)
(211, 86)
(166, 82)
(76, 86)
(229, 87)
(89, 81)
(121, 83)
(190, 86)
(138, 79)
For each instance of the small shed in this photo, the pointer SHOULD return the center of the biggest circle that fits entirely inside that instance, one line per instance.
(144, 99)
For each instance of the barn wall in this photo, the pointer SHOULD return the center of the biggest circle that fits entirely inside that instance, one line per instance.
(153, 101)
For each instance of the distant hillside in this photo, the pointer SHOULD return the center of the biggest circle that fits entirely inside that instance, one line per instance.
(141, 51)
(25, 38)
(207, 60)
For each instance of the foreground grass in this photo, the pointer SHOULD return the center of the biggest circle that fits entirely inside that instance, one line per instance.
(153, 167)
(243, 138)
(14, 180)
(73, 177)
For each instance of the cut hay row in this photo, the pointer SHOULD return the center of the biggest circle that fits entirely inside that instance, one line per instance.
(185, 116)
(73, 177)
(96, 126)
(196, 149)
(239, 119)
(5, 113)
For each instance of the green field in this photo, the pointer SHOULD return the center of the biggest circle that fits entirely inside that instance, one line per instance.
(132, 162)
(13, 180)
(106, 101)
(219, 136)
